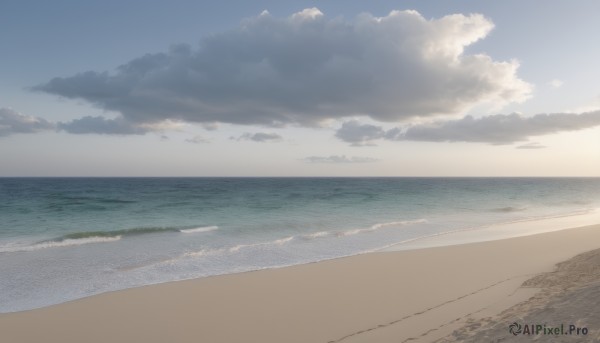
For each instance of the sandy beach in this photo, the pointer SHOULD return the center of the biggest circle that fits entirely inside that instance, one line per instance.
(419, 295)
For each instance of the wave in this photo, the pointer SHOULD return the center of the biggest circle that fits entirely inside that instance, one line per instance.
(62, 243)
(201, 253)
(135, 232)
(285, 240)
(199, 229)
(231, 250)
(234, 249)
(371, 228)
(87, 237)
(225, 251)
(281, 241)
(317, 234)
(115, 233)
(378, 226)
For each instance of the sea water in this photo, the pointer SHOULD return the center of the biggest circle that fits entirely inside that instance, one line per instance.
(67, 238)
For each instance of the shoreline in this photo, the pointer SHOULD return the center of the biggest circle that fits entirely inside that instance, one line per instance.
(423, 294)
(502, 230)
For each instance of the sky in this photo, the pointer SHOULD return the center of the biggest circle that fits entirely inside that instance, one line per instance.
(299, 88)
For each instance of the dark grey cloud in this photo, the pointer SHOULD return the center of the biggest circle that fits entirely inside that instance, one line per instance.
(303, 69)
(101, 125)
(494, 129)
(14, 122)
(359, 134)
(210, 126)
(259, 137)
(339, 159)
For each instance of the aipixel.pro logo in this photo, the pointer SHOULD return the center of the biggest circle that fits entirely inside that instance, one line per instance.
(546, 330)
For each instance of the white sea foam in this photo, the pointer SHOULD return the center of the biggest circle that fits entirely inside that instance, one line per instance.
(204, 252)
(318, 234)
(219, 251)
(58, 244)
(281, 241)
(200, 229)
(378, 226)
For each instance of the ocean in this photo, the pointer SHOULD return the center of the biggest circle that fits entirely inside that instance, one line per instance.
(66, 238)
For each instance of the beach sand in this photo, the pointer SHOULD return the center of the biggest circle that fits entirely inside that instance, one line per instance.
(569, 295)
(419, 295)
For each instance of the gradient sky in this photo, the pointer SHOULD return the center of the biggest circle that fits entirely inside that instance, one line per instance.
(299, 88)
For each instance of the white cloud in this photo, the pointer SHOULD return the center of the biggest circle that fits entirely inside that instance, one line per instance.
(494, 129)
(304, 69)
(307, 14)
(14, 122)
(339, 159)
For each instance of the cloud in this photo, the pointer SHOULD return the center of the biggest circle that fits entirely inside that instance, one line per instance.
(339, 159)
(555, 83)
(494, 129)
(302, 70)
(532, 145)
(14, 122)
(197, 140)
(210, 126)
(359, 134)
(101, 125)
(501, 128)
(259, 137)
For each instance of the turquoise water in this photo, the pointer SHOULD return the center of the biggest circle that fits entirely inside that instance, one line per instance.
(67, 238)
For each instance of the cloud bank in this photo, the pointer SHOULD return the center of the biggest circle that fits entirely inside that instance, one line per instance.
(495, 129)
(14, 122)
(302, 70)
(501, 129)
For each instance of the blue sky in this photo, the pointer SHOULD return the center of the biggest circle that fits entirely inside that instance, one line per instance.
(344, 88)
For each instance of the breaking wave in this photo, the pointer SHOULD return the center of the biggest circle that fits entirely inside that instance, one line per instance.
(89, 237)
(62, 243)
(200, 229)
(380, 226)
